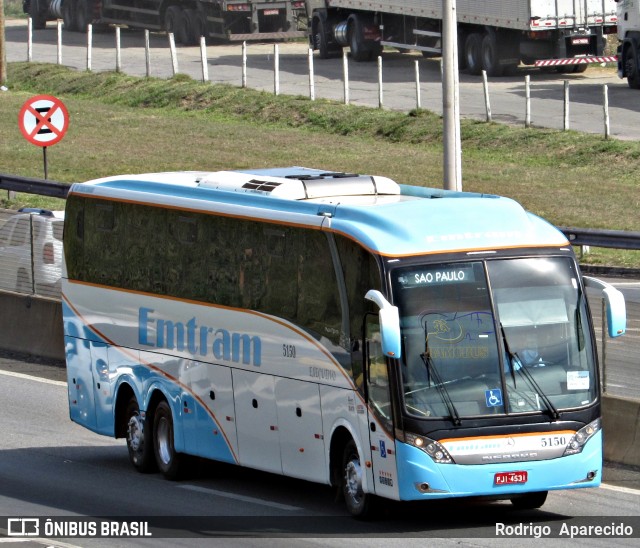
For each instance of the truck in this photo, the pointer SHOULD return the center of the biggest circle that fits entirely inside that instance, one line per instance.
(493, 35)
(629, 41)
(188, 20)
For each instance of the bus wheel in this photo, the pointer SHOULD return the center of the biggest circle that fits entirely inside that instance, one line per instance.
(530, 501)
(358, 503)
(168, 460)
(138, 439)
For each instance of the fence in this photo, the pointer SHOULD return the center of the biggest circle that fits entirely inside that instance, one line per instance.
(312, 88)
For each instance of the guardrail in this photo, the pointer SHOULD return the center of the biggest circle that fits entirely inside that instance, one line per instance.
(617, 239)
(31, 185)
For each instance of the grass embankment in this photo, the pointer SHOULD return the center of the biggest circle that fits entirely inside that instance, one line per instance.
(122, 124)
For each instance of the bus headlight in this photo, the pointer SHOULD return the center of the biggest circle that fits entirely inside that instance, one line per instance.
(431, 447)
(581, 437)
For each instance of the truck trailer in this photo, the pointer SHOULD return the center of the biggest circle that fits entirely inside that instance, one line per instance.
(493, 35)
(629, 45)
(228, 20)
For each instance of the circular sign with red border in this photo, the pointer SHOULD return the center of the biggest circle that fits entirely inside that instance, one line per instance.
(43, 120)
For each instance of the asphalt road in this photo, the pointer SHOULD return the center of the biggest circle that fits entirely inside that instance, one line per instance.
(52, 467)
(224, 62)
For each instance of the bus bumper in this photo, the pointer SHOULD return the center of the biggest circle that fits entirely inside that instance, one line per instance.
(420, 478)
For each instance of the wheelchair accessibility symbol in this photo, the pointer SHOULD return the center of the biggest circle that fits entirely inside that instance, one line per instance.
(493, 397)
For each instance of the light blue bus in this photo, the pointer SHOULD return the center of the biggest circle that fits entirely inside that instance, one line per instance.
(396, 342)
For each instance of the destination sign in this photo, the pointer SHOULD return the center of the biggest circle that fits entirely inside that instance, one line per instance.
(446, 274)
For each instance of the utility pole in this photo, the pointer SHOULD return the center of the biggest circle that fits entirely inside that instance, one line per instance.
(3, 54)
(452, 153)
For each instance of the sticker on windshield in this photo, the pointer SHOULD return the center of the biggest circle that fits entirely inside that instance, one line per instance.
(578, 380)
(493, 397)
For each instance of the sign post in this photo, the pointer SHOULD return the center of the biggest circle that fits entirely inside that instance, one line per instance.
(43, 121)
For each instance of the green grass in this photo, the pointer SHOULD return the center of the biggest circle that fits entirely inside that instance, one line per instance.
(123, 124)
(13, 9)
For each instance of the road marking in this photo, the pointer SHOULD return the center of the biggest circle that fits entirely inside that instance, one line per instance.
(241, 498)
(37, 540)
(626, 490)
(32, 378)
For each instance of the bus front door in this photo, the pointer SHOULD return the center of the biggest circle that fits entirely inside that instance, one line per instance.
(378, 394)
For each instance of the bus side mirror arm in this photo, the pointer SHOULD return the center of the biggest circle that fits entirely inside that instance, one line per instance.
(615, 305)
(389, 324)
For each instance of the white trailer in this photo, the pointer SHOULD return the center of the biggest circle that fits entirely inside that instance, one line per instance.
(629, 46)
(493, 35)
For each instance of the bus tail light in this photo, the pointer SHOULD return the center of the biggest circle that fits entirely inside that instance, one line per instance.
(581, 437)
(431, 447)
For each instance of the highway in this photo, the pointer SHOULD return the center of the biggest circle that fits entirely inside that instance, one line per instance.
(224, 63)
(52, 467)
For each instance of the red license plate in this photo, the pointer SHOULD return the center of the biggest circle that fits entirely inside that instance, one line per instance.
(271, 12)
(508, 478)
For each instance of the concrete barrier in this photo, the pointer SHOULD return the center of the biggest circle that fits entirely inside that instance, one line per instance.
(621, 426)
(32, 325)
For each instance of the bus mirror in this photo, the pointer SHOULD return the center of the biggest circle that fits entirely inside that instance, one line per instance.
(615, 305)
(389, 324)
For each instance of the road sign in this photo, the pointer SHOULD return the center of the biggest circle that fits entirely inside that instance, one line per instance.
(43, 120)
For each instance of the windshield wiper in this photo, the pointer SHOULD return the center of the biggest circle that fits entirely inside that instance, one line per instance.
(442, 389)
(513, 357)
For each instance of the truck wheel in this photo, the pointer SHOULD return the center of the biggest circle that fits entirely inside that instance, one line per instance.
(322, 38)
(168, 459)
(69, 11)
(359, 504)
(171, 18)
(84, 14)
(490, 55)
(473, 53)
(632, 67)
(139, 442)
(38, 10)
(360, 51)
(194, 28)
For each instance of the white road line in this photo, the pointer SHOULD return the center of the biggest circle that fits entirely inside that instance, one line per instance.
(626, 490)
(32, 378)
(38, 540)
(242, 498)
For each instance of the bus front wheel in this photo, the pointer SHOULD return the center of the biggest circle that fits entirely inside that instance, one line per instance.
(359, 503)
(530, 501)
(168, 459)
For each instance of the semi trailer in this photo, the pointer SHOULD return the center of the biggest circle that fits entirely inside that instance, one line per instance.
(228, 20)
(493, 35)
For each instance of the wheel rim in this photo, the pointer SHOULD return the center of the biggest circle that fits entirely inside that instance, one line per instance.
(163, 437)
(135, 433)
(353, 481)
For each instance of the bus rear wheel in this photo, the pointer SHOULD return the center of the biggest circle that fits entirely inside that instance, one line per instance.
(139, 439)
(359, 504)
(530, 501)
(169, 461)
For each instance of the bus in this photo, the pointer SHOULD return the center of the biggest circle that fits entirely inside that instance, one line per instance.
(394, 341)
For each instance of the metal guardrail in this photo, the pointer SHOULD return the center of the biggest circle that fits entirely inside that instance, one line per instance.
(618, 239)
(31, 185)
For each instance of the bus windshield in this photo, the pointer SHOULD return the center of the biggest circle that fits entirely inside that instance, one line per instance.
(494, 337)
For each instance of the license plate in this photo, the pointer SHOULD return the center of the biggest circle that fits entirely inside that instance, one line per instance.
(580, 41)
(508, 478)
(271, 12)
